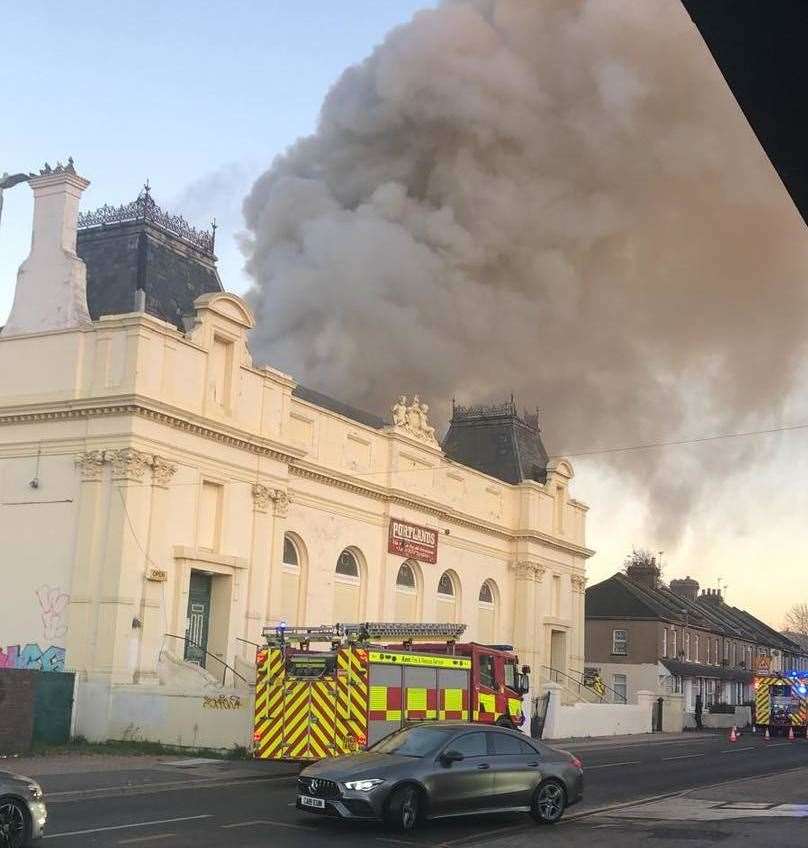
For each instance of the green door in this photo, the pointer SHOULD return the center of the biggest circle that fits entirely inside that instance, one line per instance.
(53, 707)
(196, 642)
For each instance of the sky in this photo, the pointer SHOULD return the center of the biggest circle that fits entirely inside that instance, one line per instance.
(200, 103)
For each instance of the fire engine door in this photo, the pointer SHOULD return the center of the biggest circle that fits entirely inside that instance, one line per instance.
(309, 718)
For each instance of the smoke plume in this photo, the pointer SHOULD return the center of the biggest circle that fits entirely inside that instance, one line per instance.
(555, 198)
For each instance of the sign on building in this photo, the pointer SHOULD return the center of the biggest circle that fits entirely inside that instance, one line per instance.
(412, 541)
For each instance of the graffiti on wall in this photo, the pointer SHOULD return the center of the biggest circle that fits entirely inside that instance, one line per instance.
(33, 657)
(222, 702)
(53, 611)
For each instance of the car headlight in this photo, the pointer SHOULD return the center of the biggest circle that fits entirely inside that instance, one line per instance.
(363, 785)
(36, 791)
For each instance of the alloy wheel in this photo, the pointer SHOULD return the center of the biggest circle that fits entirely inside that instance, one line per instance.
(409, 810)
(550, 802)
(12, 825)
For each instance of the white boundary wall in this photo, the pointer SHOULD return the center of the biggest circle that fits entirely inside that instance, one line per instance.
(581, 720)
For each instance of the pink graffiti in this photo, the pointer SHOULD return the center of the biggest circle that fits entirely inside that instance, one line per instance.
(53, 605)
(33, 657)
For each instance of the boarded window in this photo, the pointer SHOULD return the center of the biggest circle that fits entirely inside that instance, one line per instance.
(221, 361)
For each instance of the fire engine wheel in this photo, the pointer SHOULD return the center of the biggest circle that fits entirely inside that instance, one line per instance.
(548, 802)
(14, 824)
(404, 808)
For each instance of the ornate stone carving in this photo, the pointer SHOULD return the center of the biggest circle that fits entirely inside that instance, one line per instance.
(413, 419)
(91, 465)
(281, 500)
(127, 464)
(261, 496)
(578, 583)
(527, 570)
(162, 471)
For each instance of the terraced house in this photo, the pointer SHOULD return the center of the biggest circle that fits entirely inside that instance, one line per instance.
(644, 635)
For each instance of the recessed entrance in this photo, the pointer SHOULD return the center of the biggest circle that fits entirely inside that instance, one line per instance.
(196, 635)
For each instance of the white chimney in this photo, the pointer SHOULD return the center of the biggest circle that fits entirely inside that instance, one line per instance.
(51, 292)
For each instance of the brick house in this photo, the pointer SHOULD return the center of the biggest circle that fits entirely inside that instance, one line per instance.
(642, 634)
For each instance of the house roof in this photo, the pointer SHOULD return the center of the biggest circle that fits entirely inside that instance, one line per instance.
(689, 669)
(622, 597)
(344, 409)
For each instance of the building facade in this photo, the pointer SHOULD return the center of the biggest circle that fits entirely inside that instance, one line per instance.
(165, 497)
(644, 635)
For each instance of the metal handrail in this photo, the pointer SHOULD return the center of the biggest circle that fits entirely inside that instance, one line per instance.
(579, 682)
(207, 653)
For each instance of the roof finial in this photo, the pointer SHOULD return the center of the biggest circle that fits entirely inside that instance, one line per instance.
(147, 189)
(213, 227)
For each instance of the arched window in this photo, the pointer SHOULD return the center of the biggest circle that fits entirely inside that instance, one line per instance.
(446, 603)
(347, 564)
(406, 576)
(445, 584)
(292, 580)
(487, 612)
(347, 587)
(407, 596)
(290, 556)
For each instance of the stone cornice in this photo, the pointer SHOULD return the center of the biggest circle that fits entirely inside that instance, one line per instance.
(240, 439)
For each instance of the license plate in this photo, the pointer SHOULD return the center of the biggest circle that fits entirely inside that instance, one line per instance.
(317, 803)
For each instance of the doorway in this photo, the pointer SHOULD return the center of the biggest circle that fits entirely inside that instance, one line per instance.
(196, 635)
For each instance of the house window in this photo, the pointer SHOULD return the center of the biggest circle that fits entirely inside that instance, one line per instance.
(620, 686)
(717, 656)
(687, 646)
(209, 529)
(619, 643)
(665, 642)
(732, 649)
(347, 564)
(673, 643)
(290, 556)
(695, 648)
(707, 646)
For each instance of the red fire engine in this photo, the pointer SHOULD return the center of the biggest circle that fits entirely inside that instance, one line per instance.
(313, 701)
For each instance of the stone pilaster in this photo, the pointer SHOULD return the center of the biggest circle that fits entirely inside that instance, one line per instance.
(280, 510)
(258, 578)
(526, 627)
(158, 574)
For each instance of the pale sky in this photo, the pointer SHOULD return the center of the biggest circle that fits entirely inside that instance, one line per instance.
(200, 101)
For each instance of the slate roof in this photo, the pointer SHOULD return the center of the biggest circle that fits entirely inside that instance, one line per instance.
(497, 441)
(344, 409)
(124, 253)
(622, 597)
(690, 669)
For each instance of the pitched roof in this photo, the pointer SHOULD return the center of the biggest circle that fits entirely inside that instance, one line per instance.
(621, 597)
(344, 409)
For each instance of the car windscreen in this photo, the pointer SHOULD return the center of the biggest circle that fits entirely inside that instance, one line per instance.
(413, 741)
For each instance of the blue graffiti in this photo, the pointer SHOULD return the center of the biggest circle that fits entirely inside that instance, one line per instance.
(33, 657)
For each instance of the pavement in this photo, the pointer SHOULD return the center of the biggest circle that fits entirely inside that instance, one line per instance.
(655, 791)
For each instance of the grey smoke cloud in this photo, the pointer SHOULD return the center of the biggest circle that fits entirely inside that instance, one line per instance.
(555, 198)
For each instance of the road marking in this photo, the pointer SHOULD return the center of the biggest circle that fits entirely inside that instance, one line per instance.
(271, 822)
(139, 839)
(684, 756)
(611, 765)
(125, 826)
(733, 750)
(396, 841)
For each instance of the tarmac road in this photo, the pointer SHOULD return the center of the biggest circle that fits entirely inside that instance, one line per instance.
(200, 804)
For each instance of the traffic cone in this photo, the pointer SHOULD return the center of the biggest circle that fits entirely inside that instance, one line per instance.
(767, 737)
(733, 737)
(790, 734)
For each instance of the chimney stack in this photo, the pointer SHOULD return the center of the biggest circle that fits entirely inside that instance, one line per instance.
(687, 588)
(51, 292)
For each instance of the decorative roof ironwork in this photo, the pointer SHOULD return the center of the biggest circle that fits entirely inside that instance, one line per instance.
(145, 209)
(508, 409)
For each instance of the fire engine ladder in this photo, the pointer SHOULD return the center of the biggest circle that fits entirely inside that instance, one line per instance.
(364, 632)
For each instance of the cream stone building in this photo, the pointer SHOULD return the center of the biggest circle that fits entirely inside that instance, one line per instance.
(163, 497)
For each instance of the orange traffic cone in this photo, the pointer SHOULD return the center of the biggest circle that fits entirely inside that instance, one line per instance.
(790, 734)
(733, 737)
(767, 737)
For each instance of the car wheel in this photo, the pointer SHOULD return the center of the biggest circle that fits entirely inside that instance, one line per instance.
(14, 824)
(404, 808)
(548, 802)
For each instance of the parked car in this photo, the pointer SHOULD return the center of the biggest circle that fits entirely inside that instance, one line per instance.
(22, 810)
(431, 771)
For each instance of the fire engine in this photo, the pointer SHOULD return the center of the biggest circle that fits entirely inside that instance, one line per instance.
(330, 690)
(781, 702)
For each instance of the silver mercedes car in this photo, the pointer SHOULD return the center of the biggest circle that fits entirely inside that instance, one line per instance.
(430, 771)
(22, 811)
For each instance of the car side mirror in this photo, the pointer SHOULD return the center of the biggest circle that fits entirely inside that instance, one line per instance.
(524, 683)
(449, 757)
